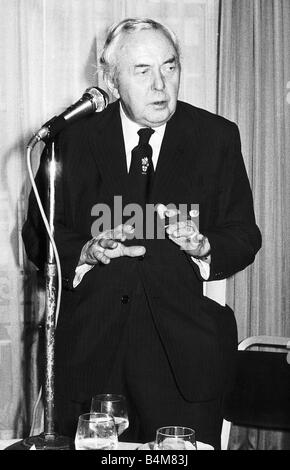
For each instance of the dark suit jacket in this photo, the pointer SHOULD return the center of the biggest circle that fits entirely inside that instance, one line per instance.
(200, 162)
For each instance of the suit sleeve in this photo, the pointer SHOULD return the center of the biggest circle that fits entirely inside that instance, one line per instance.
(69, 243)
(234, 236)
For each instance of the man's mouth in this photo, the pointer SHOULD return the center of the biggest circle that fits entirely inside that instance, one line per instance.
(159, 104)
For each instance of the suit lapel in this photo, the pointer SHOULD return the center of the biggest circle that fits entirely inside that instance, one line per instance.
(108, 148)
(178, 149)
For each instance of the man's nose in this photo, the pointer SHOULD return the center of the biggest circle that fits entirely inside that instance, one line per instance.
(158, 81)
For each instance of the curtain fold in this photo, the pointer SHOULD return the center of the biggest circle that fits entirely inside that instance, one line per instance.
(48, 52)
(253, 91)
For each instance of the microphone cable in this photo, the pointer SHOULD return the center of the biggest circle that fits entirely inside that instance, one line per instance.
(57, 260)
(48, 230)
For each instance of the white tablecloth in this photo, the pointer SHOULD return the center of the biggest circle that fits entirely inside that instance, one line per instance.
(122, 445)
(7, 442)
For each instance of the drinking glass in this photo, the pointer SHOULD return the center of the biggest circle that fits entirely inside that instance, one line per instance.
(96, 431)
(114, 405)
(175, 438)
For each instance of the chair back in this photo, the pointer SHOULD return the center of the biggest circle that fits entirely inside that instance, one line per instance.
(260, 397)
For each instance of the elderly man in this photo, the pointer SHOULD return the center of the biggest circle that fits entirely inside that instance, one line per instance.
(133, 317)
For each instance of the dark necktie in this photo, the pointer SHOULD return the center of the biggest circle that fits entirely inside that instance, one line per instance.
(141, 169)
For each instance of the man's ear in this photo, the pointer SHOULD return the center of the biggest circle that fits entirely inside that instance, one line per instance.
(110, 82)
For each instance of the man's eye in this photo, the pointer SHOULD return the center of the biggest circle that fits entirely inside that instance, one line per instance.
(169, 67)
(142, 71)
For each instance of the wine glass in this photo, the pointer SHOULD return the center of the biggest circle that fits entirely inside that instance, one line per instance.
(175, 438)
(96, 431)
(114, 405)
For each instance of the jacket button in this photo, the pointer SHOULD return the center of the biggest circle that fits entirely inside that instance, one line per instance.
(125, 299)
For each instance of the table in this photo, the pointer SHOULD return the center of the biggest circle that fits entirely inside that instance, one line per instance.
(122, 445)
(7, 442)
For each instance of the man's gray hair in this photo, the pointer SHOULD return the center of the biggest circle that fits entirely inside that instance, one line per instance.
(127, 26)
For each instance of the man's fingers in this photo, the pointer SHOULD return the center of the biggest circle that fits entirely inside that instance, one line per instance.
(96, 256)
(118, 233)
(97, 252)
(164, 211)
(184, 225)
(134, 250)
(107, 243)
(101, 257)
(171, 212)
(186, 228)
(200, 237)
(185, 232)
(121, 232)
(108, 246)
(171, 228)
(181, 232)
(128, 229)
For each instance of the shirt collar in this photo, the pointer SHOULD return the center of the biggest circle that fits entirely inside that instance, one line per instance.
(130, 127)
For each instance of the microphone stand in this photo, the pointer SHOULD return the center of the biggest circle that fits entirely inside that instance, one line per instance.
(50, 439)
(93, 100)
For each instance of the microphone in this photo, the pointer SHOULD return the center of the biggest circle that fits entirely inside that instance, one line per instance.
(93, 100)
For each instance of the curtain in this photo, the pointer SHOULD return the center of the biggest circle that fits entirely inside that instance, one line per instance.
(254, 82)
(48, 54)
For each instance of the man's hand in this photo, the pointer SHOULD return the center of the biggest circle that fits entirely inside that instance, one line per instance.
(108, 245)
(186, 235)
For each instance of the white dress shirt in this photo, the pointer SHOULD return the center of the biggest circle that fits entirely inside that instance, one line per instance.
(131, 139)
